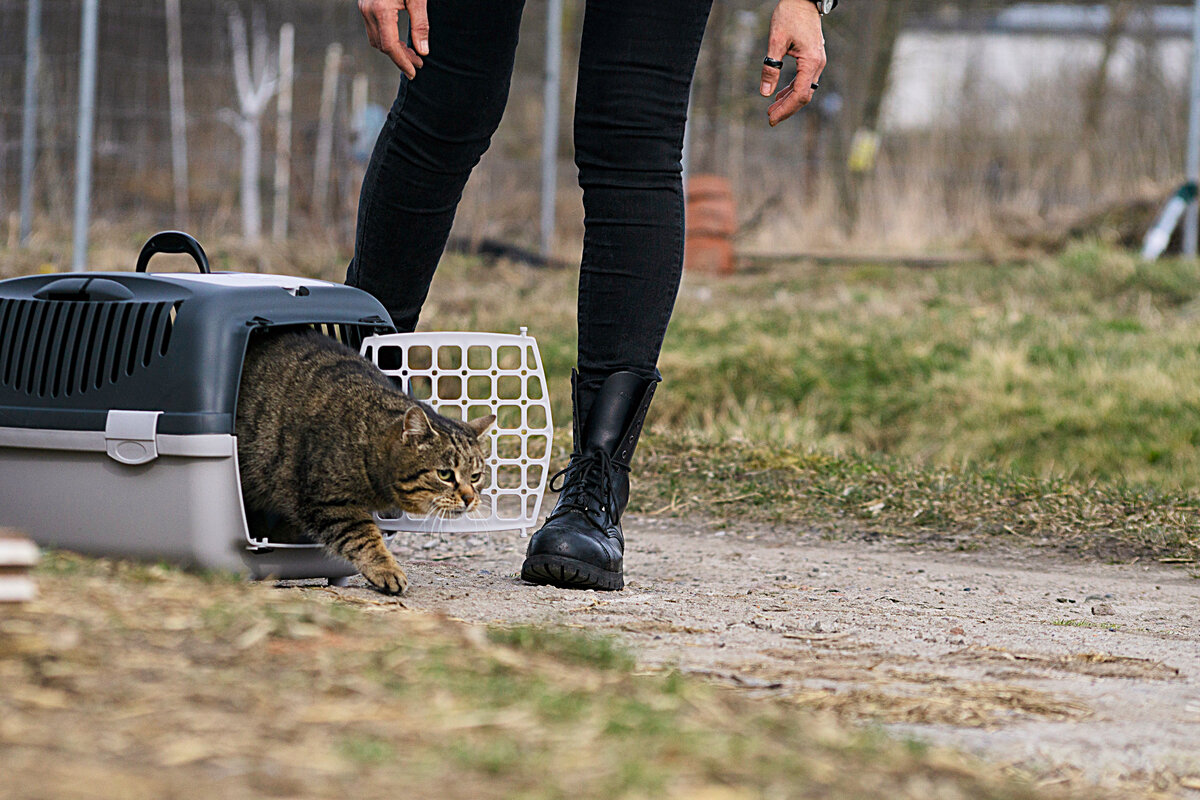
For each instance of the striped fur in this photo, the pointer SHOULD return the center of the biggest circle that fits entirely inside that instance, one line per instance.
(325, 439)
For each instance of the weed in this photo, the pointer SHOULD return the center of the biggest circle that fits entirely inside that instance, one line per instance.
(1087, 623)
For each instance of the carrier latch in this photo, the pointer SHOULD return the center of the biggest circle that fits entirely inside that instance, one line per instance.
(129, 436)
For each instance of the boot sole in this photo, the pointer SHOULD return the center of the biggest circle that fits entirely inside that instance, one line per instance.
(568, 573)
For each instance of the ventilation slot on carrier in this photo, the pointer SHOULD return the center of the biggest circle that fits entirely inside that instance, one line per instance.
(350, 335)
(57, 348)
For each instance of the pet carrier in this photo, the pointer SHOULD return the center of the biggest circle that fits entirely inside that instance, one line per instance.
(118, 396)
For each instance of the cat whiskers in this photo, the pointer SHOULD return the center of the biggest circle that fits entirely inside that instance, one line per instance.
(481, 510)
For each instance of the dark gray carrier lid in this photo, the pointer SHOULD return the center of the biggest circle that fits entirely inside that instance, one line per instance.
(75, 346)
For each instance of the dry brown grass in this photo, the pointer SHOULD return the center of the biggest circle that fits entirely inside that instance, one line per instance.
(130, 681)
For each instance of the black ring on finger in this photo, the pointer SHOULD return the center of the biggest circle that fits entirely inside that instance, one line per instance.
(816, 86)
(773, 62)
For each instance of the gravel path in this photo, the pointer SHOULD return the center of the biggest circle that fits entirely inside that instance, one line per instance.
(1064, 668)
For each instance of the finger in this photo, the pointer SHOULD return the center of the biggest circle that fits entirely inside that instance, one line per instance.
(418, 21)
(396, 50)
(415, 58)
(770, 77)
(780, 100)
(399, 57)
(794, 98)
(809, 68)
(777, 47)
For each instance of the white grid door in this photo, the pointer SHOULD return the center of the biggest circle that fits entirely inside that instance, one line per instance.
(469, 375)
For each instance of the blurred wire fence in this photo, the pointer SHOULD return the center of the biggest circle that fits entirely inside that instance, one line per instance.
(937, 124)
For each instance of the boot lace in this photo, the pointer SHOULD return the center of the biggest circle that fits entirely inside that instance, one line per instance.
(585, 485)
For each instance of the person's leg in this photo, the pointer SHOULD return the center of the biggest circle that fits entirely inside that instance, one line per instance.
(635, 71)
(436, 132)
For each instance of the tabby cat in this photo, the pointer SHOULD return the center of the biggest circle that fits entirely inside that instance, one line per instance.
(324, 439)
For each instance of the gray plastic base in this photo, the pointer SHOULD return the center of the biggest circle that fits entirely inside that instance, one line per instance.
(63, 490)
(294, 564)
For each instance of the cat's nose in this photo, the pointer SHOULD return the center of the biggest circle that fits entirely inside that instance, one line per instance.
(468, 497)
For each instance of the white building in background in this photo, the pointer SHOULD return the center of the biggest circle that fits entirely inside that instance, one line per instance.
(1019, 51)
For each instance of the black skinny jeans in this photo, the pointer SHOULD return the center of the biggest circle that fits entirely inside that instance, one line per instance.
(636, 63)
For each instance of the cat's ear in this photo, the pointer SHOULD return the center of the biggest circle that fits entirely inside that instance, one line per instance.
(416, 424)
(481, 424)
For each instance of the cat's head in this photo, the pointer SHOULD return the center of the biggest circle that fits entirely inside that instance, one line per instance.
(436, 463)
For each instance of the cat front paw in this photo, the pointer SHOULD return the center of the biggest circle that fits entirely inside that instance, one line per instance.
(387, 578)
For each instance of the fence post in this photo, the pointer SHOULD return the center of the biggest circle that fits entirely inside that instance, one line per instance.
(33, 36)
(179, 158)
(1191, 228)
(283, 133)
(551, 94)
(323, 163)
(87, 124)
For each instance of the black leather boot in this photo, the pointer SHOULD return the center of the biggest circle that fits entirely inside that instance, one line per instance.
(581, 546)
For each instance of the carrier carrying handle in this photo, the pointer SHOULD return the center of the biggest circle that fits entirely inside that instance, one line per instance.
(172, 242)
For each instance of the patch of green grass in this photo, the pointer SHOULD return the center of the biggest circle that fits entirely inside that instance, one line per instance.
(895, 498)
(1082, 366)
(593, 650)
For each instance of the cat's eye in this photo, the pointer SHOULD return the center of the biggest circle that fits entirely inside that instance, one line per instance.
(446, 474)
(476, 477)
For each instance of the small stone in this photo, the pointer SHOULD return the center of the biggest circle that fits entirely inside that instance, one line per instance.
(1103, 610)
(957, 631)
(429, 545)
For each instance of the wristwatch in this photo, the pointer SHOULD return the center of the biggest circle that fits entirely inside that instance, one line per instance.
(825, 6)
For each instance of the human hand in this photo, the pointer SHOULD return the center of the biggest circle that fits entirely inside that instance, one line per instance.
(795, 31)
(383, 31)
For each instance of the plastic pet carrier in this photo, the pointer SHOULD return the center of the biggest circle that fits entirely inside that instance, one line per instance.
(118, 396)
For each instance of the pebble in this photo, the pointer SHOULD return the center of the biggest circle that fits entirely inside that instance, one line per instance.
(1103, 610)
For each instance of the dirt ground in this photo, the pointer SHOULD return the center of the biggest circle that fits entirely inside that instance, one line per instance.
(1061, 668)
